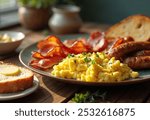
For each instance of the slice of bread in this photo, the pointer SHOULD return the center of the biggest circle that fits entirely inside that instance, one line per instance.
(136, 26)
(14, 80)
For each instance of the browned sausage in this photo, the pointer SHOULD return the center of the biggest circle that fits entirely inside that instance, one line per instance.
(140, 62)
(123, 49)
(142, 53)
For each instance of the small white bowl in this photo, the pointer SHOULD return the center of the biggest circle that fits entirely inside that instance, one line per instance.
(8, 47)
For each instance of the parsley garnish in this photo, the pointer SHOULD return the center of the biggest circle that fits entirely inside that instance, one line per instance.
(97, 55)
(70, 55)
(93, 62)
(86, 59)
(89, 97)
(80, 97)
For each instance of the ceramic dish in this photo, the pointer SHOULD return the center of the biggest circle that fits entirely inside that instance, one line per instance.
(25, 57)
(12, 96)
(7, 47)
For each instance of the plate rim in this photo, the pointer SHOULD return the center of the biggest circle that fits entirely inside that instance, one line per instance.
(74, 81)
(20, 94)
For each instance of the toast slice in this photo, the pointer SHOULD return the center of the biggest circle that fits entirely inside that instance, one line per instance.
(14, 78)
(136, 26)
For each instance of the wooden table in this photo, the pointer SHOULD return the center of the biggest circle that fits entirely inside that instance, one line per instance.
(51, 91)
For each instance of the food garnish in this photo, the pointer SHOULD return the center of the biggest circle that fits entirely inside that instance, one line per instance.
(51, 50)
(89, 97)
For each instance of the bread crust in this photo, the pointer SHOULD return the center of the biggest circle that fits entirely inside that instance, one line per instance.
(18, 84)
(137, 19)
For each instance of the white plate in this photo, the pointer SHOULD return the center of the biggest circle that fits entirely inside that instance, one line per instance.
(16, 95)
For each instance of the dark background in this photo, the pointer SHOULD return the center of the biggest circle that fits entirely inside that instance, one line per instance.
(112, 11)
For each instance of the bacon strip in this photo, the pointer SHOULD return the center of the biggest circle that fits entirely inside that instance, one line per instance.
(45, 63)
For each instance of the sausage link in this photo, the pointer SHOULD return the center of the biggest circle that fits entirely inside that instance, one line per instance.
(140, 62)
(142, 53)
(123, 49)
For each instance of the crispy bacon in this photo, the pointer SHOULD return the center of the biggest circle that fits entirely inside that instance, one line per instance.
(78, 47)
(51, 41)
(52, 50)
(37, 55)
(120, 41)
(45, 63)
(52, 46)
(96, 35)
(97, 41)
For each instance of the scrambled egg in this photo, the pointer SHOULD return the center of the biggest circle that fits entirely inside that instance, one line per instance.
(93, 67)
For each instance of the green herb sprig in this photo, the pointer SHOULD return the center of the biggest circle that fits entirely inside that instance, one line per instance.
(86, 59)
(89, 97)
(36, 3)
(70, 55)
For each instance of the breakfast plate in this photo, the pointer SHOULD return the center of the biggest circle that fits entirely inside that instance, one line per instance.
(16, 95)
(25, 58)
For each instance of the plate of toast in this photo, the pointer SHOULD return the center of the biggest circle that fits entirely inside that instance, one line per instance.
(20, 94)
(16, 82)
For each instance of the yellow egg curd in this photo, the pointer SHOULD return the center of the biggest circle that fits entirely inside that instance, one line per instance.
(93, 67)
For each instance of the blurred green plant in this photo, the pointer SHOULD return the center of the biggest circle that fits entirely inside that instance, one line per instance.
(43, 3)
(36, 3)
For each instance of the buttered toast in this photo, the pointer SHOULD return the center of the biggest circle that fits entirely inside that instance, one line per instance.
(14, 78)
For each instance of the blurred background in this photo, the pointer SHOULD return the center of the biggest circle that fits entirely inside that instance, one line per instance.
(96, 11)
